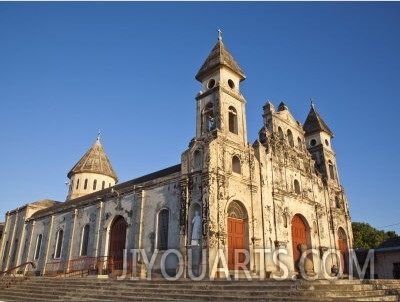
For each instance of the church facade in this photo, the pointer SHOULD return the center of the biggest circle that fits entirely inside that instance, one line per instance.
(273, 208)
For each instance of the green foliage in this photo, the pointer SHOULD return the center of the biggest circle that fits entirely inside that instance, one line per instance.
(366, 236)
(391, 234)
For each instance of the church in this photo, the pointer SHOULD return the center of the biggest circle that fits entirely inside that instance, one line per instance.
(272, 208)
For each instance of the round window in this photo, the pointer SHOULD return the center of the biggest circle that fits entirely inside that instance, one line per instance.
(231, 84)
(313, 142)
(211, 83)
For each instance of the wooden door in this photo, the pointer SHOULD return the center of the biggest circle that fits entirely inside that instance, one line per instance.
(117, 241)
(236, 240)
(299, 236)
(342, 243)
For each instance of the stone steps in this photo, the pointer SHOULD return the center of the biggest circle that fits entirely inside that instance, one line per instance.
(93, 289)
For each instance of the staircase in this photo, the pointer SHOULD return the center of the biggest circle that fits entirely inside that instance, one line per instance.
(93, 289)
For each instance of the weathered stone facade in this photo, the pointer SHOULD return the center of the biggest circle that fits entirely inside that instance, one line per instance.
(266, 202)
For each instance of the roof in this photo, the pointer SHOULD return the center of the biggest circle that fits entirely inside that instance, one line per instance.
(99, 195)
(282, 106)
(42, 203)
(219, 56)
(314, 123)
(94, 161)
(391, 242)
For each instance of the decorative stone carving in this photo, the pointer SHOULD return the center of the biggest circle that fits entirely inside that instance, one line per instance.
(182, 210)
(205, 207)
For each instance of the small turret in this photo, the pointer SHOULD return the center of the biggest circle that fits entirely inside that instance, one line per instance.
(318, 140)
(93, 172)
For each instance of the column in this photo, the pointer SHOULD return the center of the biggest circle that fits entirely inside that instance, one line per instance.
(71, 239)
(50, 230)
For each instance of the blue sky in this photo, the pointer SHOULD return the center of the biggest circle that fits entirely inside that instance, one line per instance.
(68, 69)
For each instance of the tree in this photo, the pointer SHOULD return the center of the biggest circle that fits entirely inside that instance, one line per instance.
(391, 234)
(367, 237)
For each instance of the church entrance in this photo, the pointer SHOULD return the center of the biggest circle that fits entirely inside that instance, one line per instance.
(299, 236)
(237, 230)
(342, 243)
(117, 243)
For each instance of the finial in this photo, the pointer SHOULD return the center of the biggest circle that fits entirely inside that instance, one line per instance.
(312, 103)
(98, 135)
(219, 34)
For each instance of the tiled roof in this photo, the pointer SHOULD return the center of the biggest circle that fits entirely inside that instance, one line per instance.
(219, 56)
(95, 161)
(314, 123)
(100, 195)
(391, 242)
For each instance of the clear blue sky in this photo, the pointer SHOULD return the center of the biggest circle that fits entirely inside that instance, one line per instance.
(68, 69)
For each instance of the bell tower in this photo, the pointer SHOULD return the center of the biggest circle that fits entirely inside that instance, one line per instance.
(318, 140)
(220, 106)
(219, 161)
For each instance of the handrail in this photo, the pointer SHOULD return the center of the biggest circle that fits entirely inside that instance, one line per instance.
(102, 265)
(8, 276)
(79, 266)
(21, 265)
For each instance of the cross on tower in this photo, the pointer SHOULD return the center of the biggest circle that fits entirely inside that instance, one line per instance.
(219, 34)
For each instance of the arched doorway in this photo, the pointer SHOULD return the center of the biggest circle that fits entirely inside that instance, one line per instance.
(117, 242)
(342, 243)
(299, 236)
(237, 230)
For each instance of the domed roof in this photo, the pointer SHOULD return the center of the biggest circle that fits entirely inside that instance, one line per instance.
(94, 161)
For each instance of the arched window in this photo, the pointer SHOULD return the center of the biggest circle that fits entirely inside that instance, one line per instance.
(296, 186)
(103, 184)
(85, 240)
(59, 240)
(15, 248)
(235, 210)
(233, 125)
(94, 184)
(5, 255)
(85, 184)
(342, 234)
(236, 165)
(331, 170)
(197, 160)
(38, 246)
(208, 117)
(290, 138)
(337, 202)
(285, 219)
(163, 223)
(280, 133)
(77, 184)
(299, 143)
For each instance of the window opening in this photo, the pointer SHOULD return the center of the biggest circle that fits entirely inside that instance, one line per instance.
(297, 186)
(59, 241)
(85, 240)
(290, 138)
(38, 246)
(236, 165)
(233, 120)
(163, 222)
